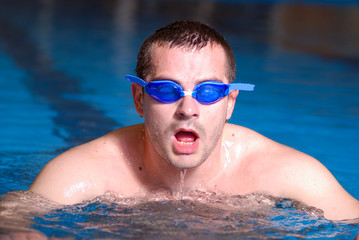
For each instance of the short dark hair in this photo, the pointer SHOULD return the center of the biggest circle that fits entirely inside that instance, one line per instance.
(189, 34)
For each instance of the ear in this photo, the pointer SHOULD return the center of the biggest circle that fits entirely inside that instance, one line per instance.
(137, 94)
(232, 96)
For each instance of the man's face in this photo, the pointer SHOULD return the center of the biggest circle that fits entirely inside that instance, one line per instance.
(186, 132)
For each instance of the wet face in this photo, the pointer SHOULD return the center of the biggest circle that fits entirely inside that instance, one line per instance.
(185, 133)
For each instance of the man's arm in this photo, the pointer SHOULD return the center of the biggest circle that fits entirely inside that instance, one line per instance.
(286, 172)
(69, 178)
(307, 180)
(92, 169)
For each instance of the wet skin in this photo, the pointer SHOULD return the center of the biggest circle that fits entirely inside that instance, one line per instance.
(146, 159)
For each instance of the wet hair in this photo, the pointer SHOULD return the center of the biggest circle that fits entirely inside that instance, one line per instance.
(186, 34)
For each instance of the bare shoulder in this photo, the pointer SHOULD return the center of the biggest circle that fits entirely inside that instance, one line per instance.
(87, 171)
(254, 143)
(260, 149)
(283, 171)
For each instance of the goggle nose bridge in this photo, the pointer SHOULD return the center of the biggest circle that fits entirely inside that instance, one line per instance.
(188, 93)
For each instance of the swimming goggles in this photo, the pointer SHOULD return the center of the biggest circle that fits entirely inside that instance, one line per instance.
(207, 92)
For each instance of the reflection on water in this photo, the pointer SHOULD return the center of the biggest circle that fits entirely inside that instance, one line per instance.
(330, 31)
(325, 29)
(200, 215)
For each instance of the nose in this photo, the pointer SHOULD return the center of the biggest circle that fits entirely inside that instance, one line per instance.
(187, 108)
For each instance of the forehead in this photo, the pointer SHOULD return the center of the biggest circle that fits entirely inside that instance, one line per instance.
(183, 64)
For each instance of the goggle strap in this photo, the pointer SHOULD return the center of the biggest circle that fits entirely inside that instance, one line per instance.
(137, 80)
(241, 86)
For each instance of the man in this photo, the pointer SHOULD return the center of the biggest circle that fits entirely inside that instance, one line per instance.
(188, 131)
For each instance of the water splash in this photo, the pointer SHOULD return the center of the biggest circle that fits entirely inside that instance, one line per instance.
(202, 215)
(182, 175)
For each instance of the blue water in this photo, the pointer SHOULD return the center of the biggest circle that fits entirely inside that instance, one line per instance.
(62, 67)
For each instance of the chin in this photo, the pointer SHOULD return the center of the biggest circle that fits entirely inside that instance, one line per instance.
(185, 164)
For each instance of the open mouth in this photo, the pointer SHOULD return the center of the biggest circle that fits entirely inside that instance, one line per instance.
(186, 137)
(185, 141)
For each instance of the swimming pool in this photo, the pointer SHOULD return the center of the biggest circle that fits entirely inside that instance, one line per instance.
(62, 70)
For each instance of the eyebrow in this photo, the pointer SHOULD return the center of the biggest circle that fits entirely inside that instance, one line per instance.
(213, 79)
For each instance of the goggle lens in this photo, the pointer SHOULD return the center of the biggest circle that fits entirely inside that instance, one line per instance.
(210, 92)
(164, 91)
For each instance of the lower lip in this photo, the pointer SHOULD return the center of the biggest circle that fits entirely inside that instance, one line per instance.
(185, 148)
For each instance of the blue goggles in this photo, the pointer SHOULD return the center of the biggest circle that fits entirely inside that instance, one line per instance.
(207, 92)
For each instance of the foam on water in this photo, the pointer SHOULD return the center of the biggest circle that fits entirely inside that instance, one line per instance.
(198, 215)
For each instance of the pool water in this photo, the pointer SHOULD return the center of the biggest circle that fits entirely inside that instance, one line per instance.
(197, 216)
(62, 67)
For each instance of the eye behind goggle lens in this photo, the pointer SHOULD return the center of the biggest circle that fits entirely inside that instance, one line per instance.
(209, 93)
(165, 92)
